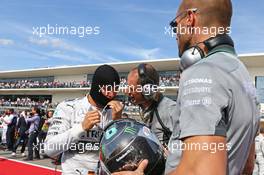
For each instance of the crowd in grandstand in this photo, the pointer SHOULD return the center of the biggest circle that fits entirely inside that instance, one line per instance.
(22, 84)
(123, 81)
(25, 102)
(171, 80)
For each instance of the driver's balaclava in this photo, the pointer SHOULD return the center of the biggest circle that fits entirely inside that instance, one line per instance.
(103, 75)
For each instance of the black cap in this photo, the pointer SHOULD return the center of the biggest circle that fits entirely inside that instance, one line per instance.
(103, 75)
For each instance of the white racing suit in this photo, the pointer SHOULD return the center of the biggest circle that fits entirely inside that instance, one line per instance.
(80, 148)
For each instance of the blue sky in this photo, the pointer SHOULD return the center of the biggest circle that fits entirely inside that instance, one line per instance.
(129, 30)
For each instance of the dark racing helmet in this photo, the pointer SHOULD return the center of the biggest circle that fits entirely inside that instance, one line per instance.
(125, 143)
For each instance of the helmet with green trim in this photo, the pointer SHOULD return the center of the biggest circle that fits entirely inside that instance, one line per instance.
(125, 143)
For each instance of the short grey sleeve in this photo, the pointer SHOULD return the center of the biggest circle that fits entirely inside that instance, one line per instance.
(167, 111)
(203, 97)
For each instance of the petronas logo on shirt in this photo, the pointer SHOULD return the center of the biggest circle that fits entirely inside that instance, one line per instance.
(130, 130)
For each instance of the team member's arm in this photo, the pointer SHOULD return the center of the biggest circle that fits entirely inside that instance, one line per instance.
(249, 167)
(61, 135)
(203, 162)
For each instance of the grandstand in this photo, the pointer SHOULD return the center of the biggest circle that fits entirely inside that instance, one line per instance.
(48, 86)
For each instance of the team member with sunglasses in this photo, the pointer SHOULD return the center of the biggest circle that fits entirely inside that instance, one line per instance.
(216, 105)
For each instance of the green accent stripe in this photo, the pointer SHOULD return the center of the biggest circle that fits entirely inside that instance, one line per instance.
(130, 130)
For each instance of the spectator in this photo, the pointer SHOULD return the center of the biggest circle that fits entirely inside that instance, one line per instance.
(10, 120)
(45, 126)
(4, 125)
(33, 133)
(22, 129)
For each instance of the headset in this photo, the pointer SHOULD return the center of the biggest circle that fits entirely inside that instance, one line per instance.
(149, 87)
(194, 54)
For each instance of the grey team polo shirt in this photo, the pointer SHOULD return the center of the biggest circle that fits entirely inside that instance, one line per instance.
(166, 110)
(216, 97)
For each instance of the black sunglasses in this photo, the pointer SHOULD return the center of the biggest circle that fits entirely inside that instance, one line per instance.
(174, 23)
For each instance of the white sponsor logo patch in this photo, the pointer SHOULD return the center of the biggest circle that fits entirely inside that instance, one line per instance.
(206, 101)
(197, 81)
(197, 90)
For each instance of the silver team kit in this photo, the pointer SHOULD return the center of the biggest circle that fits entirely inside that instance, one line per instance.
(66, 136)
(216, 97)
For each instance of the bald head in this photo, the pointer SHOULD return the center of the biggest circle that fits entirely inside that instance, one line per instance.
(134, 73)
(212, 12)
(151, 73)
